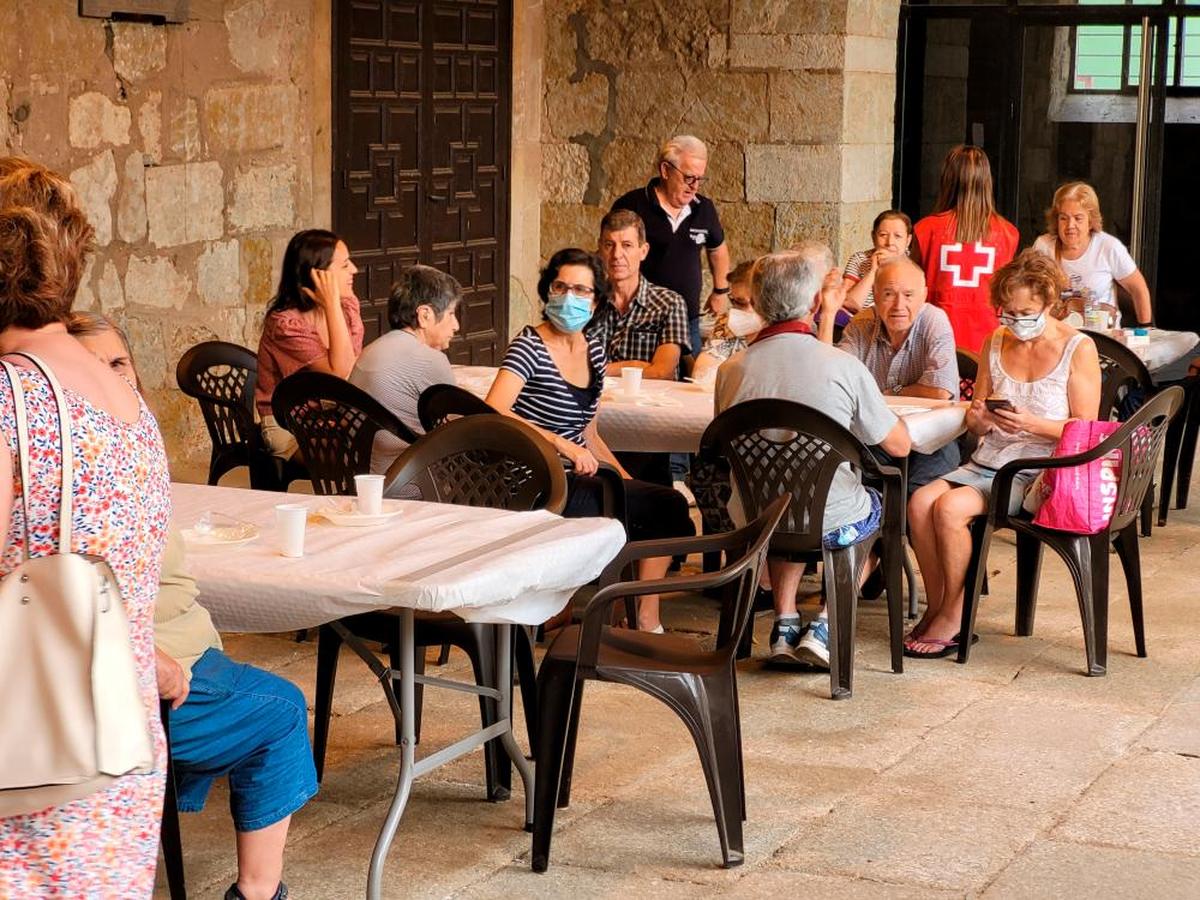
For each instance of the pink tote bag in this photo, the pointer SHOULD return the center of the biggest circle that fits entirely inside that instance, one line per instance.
(1081, 499)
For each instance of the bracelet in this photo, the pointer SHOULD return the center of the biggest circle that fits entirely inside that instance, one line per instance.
(723, 290)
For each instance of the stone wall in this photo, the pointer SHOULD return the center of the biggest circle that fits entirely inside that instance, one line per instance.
(193, 149)
(795, 99)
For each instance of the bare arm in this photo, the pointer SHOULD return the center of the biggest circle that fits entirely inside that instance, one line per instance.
(600, 450)
(898, 442)
(663, 366)
(340, 359)
(1140, 293)
(924, 390)
(501, 397)
(718, 263)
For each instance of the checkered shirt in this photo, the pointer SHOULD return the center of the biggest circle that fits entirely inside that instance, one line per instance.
(655, 316)
(926, 356)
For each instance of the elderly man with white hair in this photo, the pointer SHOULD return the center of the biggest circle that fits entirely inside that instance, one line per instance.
(787, 362)
(679, 221)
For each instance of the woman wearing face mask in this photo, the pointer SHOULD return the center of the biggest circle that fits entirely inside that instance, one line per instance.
(551, 378)
(891, 235)
(732, 330)
(1049, 373)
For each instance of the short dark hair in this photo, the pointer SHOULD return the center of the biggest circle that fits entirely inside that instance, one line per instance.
(573, 256)
(619, 220)
(892, 214)
(421, 286)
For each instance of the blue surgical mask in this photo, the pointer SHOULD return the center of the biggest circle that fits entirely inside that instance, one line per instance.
(569, 312)
(1025, 329)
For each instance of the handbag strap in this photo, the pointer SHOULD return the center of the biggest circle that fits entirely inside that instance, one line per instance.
(66, 496)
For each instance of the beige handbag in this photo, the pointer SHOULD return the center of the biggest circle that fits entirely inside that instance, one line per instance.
(73, 717)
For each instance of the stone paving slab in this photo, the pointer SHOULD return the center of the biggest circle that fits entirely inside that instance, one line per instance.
(1057, 868)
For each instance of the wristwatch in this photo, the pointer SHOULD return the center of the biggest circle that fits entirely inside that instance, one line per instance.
(723, 290)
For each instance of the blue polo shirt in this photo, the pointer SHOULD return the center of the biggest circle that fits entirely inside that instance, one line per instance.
(674, 258)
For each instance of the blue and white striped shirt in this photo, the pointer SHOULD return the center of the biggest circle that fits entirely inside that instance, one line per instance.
(547, 399)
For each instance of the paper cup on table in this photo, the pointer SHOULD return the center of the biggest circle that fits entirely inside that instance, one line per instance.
(369, 489)
(631, 381)
(290, 520)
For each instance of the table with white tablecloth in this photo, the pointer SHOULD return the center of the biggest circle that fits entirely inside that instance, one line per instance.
(484, 565)
(671, 416)
(1163, 350)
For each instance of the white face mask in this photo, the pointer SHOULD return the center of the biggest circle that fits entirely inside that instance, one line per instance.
(1025, 329)
(745, 321)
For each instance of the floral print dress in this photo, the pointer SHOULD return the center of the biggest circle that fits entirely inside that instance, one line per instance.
(105, 845)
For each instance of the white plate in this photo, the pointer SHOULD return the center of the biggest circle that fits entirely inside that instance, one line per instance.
(345, 513)
(221, 537)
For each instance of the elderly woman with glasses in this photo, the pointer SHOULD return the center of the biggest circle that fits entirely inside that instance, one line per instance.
(1037, 373)
(551, 378)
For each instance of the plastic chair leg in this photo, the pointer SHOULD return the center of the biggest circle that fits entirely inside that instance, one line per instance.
(841, 592)
(1147, 511)
(329, 643)
(527, 678)
(910, 579)
(713, 724)
(1187, 451)
(481, 649)
(1170, 462)
(568, 763)
(1029, 571)
(1130, 556)
(1089, 569)
(556, 694)
(896, 571)
(981, 540)
(172, 843)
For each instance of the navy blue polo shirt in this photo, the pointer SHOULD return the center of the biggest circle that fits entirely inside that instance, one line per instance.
(674, 258)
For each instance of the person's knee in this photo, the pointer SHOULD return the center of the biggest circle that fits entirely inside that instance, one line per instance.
(920, 504)
(955, 509)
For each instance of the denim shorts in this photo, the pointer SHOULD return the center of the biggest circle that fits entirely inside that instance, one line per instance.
(250, 725)
(856, 532)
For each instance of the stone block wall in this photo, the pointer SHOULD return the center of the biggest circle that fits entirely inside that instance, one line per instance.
(193, 149)
(795, 99)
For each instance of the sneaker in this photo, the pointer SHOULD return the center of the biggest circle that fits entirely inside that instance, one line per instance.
(784, 643)
(814, 646)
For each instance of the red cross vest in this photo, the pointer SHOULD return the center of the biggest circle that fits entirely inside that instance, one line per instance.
(957, 274)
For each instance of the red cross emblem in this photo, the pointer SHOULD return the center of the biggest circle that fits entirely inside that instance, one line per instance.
(975, 263)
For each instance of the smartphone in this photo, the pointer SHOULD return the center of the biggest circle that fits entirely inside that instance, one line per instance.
(995, 403)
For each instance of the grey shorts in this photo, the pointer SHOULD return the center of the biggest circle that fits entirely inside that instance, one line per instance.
(973, 475)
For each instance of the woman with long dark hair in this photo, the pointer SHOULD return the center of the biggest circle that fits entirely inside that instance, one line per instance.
(312, 323)
(962, 243)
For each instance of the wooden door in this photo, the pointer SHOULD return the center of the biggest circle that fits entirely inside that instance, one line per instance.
(421, 116)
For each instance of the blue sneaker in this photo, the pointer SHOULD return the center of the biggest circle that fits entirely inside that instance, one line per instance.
(814, 646)
(785, 643)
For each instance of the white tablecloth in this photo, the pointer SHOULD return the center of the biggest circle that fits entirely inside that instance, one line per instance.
(672, 415)
(1166, 347)
(504, 566)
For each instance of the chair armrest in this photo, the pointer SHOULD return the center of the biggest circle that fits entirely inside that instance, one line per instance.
(636, 550)
(1002, 485)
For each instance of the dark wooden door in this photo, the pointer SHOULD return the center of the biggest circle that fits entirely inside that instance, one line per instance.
(421, 113)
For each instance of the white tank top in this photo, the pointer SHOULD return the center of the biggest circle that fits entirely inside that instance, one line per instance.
(1046, 397)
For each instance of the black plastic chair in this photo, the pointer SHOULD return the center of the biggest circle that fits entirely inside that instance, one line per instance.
(439, 403)
(172, 842)
(968, 371)
(221, 377)
(1180, 451)
(1086, 555)
(779, 448)
(1122, 371)
(699, 686)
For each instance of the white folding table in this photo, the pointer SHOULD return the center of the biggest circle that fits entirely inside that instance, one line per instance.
(484, 565)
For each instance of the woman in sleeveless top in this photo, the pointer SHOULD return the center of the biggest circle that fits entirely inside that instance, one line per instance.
(1050, 373)
(104, 845)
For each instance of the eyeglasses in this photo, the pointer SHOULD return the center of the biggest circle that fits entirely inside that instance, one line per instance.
(692, 181)
(558, 288)
(1006, 319)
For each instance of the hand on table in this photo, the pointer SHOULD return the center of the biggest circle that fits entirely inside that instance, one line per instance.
(172, 683)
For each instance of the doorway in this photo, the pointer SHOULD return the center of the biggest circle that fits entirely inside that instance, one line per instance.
(421, 136)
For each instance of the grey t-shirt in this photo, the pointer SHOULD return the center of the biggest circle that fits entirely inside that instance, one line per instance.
(798, 367)
(395, 369)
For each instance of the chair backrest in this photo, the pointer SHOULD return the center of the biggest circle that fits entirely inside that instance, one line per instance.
(221, 376)
(334, 424)
(439, 403)
(1120, 370)
(778, 448)
(1140, 441)
(482, 460)
(968, 371)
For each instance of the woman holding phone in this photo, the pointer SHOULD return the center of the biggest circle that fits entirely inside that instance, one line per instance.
(1035, 374)
(312, 323)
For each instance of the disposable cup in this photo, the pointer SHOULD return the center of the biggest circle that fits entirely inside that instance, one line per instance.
(631, 381)
(290, 521)
(369, 489)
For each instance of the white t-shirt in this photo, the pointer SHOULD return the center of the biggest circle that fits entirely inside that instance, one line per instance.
(1104, 261)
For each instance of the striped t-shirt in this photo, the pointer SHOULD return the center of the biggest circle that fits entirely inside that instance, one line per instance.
(547, 399)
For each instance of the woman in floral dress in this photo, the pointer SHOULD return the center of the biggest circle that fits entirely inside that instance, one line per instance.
(104, 845)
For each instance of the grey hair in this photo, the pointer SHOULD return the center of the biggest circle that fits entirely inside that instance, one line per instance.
(421, 286)
(681, 144)
(785, 284)
(905, 261)
(816, 251)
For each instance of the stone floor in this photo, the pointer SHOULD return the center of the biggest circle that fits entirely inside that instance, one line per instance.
(1013, 776)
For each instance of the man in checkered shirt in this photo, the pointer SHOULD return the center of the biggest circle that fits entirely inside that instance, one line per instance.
(646, 325)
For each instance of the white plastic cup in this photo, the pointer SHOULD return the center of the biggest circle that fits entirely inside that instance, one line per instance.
(290, 521)
(631, 381)
(369, 490)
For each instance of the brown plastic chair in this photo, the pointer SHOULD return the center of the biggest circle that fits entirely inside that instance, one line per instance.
(1086, 555)
(221, 376)
(780, 448)
(699, 686)
(439, 403)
